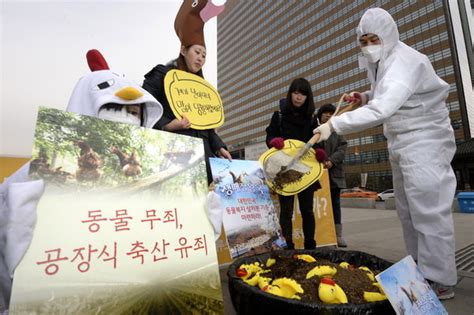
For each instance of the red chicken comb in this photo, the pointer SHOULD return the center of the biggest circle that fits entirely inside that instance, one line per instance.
(328, 281)
(96, 61)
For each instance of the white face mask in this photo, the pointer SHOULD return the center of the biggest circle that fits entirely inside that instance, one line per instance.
(372, 53)
(120, 116)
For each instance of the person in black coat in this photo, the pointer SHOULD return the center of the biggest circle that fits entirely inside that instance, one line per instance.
(154, 83)
(189, 28)
(335, 147)
(295, 120)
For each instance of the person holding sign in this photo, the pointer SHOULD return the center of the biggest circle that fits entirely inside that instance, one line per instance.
(189, 26)
(409, 99)
(102, 93)
(296, 120)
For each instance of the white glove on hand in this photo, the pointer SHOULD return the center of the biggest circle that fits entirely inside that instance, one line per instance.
(324, 130)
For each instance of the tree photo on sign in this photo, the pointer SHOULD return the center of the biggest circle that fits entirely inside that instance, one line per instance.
(196, 99)
(118, 154)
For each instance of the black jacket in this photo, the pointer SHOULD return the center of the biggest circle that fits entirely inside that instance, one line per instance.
(154, 83)
(289, 124)
(335, 147)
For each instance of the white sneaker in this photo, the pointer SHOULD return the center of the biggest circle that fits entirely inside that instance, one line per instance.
(443, 292)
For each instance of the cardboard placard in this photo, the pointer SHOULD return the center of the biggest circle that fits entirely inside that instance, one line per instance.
(291, 148)
(106, 241)
(196, 99)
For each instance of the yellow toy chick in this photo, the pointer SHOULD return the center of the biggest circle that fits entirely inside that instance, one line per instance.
(346, 265)
(305, 257)
(369, 272)
(375, 296)
(263, 282)
(330, 293)
(250, 273)
(285, 287)
(270, 262)
(321, 271)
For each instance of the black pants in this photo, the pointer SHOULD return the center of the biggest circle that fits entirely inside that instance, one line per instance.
(305, 199)
(336, 204)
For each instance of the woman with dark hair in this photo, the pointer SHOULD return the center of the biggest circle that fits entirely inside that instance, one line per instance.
(296, 120)
(192, 57)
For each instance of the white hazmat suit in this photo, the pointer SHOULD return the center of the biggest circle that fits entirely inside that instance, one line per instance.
(409, 99)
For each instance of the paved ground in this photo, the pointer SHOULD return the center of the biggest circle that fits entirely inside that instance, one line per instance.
(378, 232)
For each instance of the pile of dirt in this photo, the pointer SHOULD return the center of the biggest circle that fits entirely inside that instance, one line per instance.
(352, 280)
(285, 177)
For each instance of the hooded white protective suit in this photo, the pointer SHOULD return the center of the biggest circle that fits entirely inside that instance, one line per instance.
(408, 98)
(19, 196)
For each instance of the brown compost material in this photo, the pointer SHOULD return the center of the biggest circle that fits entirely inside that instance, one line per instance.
(285, 177)
(251, 300)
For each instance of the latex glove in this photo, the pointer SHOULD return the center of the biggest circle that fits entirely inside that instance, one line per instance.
(325, 130)
(354, 98)
(215, 212)
(277, 143)
(320, 155)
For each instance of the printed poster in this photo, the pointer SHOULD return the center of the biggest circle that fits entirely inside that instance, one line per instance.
(249, 217)
(122, 225)
(325, 229)
(192, 97)
(408, 291)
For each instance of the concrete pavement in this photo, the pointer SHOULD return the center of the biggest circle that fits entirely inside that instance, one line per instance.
(378, 232)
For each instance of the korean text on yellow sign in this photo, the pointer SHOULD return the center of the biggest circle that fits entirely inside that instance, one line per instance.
(196, 99)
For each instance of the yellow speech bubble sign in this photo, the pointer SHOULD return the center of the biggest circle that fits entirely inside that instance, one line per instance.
(196, 99)
(292, 147)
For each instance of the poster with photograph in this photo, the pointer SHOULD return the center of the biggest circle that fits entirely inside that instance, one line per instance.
(249, 217)
(323, 214)
(408, 291)
(122, 225)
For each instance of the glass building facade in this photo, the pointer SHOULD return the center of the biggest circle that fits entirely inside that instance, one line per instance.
(263, 45)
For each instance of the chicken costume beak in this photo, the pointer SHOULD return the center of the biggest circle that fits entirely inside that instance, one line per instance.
(129, 93)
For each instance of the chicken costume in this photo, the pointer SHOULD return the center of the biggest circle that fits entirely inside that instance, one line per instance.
(18, 200)
(19, 196)
(103, 86)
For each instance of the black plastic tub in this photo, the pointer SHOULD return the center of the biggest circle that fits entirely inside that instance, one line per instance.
(251, 300)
